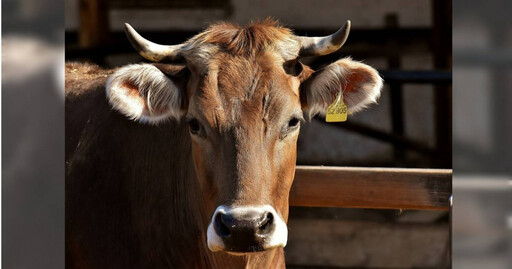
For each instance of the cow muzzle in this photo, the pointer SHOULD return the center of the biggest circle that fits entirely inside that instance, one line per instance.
(239, 230)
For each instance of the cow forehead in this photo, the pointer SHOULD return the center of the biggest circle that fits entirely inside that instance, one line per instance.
(239, 77)
(236, 89)
(253, 39)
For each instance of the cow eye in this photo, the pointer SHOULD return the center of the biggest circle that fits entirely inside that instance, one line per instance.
(293, 67)
(194, 126)
(291, 126)
(294, 122)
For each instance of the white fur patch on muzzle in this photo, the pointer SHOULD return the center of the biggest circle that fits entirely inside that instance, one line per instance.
(242, 229)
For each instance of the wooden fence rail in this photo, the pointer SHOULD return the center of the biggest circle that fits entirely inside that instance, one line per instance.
(384, 188)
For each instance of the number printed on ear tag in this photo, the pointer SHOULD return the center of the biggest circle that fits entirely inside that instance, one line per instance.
(337, 111)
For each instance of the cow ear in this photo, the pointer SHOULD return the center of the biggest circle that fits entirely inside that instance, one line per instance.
(145, 93)
(360, 84)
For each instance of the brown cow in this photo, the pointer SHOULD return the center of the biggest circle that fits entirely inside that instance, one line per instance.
(200, 176)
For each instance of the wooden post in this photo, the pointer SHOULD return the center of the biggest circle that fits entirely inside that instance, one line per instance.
(94, 26)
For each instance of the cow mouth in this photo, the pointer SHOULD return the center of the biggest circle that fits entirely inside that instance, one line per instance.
(237, 251)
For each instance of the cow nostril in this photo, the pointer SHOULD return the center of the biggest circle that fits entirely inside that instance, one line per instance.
(266, 225)
(220, 227)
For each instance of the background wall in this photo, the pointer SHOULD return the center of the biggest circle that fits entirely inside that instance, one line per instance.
(300, 14)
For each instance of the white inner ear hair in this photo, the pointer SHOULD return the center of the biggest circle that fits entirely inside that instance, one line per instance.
(143, 93)
(335, 77)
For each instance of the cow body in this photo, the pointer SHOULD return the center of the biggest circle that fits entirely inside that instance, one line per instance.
(189, 165)
(132, 199)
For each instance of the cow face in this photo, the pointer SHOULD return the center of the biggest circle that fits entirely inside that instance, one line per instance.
(243, 93)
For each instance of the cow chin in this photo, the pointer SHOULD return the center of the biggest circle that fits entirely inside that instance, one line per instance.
(243, 230)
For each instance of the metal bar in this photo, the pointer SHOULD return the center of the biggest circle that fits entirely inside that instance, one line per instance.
(382, 188)
(442, 37)
(397, 121)
(397, 106)
(374, 37)
(416, 77)
(483, 57)
(175, 4)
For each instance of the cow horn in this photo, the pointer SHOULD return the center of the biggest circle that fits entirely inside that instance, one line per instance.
(149, 50)
(315, 46)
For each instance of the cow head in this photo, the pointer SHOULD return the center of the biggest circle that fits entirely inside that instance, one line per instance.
(243, 93)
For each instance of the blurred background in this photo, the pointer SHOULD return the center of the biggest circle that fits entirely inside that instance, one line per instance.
(409, 42)
(32, 111)
(482, 204)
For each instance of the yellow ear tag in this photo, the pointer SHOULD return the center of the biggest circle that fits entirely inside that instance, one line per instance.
(337, 111)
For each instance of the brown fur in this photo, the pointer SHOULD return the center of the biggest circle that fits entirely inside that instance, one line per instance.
(126, 188)
(245, 41)
(142, 196)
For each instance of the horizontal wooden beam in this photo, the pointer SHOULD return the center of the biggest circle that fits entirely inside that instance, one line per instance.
(383, 188)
